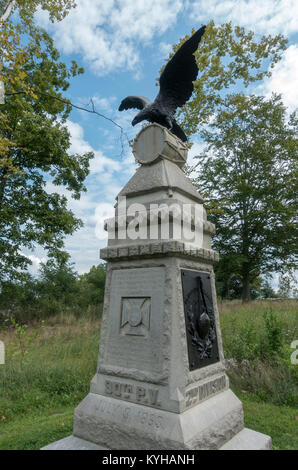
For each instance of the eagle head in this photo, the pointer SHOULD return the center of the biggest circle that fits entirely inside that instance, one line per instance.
(141, 116)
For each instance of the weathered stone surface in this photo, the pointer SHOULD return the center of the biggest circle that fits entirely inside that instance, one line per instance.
(154, 249)
(162, 175)
(134, 335)
(73, 443)
(247, 439)
(119, 425)
(155, 142)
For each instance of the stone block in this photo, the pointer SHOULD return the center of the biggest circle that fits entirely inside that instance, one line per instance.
(116, 424)
(73, 443)
(247, 439)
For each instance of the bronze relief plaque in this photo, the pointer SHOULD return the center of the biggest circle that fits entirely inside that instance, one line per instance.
(199, 319)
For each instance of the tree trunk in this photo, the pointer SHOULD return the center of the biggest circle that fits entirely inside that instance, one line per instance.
(245, 284)
(3, 184)
(7, 11)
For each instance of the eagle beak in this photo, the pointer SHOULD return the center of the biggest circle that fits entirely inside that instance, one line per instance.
(135, 121)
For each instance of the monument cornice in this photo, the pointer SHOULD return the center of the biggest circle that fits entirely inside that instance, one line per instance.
(158, 249)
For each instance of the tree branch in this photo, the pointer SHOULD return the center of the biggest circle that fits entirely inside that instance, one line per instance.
(7, 12)
(91, 111)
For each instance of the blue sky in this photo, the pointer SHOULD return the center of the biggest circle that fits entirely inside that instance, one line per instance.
(122, 44)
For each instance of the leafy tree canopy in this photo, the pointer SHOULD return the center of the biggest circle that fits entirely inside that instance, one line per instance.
(35, 143)
(57, 9)
(227, 55)
(248, 174)
(57, 289)
(18, 34)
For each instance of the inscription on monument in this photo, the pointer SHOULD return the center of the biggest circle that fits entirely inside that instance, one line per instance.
(203, 391)
(135, 393)
(118, 410)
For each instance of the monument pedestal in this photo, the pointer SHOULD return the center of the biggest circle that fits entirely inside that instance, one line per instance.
(161, 381)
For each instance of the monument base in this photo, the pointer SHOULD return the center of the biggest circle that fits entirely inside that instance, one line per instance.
(73, 443)
(244, 440)
(103, 423)
(247, 439)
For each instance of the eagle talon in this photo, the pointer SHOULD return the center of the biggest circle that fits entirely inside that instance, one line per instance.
(169, 123)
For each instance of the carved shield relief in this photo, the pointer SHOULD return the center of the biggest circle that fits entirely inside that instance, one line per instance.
(135, 315)
(199, 319)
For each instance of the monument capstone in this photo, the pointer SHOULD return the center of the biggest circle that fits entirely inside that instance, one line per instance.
(161, 380)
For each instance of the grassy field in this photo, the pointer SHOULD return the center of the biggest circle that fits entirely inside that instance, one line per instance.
(49, 367)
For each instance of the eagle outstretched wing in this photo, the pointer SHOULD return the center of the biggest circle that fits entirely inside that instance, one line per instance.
(134, 101)
(176, 79)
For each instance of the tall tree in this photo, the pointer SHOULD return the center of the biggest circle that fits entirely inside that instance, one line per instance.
(18, 34)
(227, 56)
(93, 283)
(57, 281)
(248, 174)
(57, 9)
(36, 154)
(287, 285)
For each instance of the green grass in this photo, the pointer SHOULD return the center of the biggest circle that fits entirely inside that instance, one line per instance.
(32, 432)
(38, 393)
(53, 378)
(243, 326)
(37, 430)
(258, 336)
(279, 422)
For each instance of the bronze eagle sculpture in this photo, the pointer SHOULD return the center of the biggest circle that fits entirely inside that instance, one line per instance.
(176, 87)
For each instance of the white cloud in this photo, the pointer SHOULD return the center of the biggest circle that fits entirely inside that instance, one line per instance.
(102, 168)
(195, 150)
(103, 172)
(165, 48)
(263, 16)
(77, 142)
(284, 79)
(81, 207)
(103, 211)
(36, 260)
(83, 247)
(109, 33)
(100, 163)
(104, 104)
